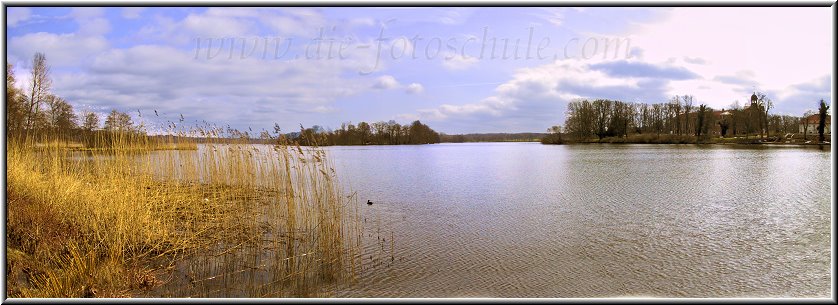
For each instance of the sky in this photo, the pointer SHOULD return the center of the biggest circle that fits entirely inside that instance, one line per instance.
(459, 70)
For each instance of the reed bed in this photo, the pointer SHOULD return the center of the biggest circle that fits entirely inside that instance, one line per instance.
(227, 219)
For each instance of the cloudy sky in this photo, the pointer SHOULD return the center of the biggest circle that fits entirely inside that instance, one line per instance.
(460, 70)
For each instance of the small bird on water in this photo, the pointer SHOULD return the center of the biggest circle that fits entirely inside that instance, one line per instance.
(369, 202)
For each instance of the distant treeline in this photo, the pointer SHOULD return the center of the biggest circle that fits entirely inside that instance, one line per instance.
(493, 137)
(676, 121)
(378, 133)
(36, 114)
(595, 120)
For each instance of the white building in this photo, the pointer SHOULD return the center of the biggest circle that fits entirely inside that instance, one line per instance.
(810, 124)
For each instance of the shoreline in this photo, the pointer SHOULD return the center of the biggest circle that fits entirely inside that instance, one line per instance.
(777, 145)
(750, 140)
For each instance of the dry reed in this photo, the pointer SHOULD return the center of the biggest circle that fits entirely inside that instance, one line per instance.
(227, 219)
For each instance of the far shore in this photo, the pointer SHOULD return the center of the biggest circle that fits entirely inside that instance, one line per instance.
(767, 144)
(772, 140)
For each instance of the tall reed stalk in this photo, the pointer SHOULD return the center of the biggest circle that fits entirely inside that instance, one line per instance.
(225, 219)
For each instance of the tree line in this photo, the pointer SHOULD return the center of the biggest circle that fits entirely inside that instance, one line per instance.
(36, 113)
(680, 116)
(378, 133)
(492, 137)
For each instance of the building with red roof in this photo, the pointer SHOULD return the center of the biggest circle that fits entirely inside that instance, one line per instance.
(809, 124)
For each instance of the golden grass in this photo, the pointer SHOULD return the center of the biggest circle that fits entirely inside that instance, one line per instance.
(60, 144)
(141, 148)
(221, 220)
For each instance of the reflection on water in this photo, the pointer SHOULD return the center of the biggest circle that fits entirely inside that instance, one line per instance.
(529, 220)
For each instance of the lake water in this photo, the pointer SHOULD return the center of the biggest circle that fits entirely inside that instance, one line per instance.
(532, 220)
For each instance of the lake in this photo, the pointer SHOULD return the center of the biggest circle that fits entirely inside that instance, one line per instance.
(532, 220)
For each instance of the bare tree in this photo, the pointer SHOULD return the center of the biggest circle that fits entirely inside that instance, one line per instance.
(764, 104)
(554, 135)
(676, 103)
(602, 118)
(380, 131)
(364, 132)
(671, 115)
(688, 105)
(40, 84)
(15, 108)
(767, 104)
(805, 123)
(735, 117)
(59, 113)
(118, 121)
(90, 121)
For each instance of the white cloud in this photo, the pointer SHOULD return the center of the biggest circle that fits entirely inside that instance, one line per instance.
(407, 117)
(554, 16)
(324, 109)
(66, 49)
(94, 27)
(16, 15)
(62, 50)
(726, 60)
(781, 46)
(211, 26)
(132, 12)
(541, 93)
(415, 88)
(281, 21)
(386, 82)
(80, 13)
(172, 81)
(236, 22)
(91, 21)
(454, 15)
(452, 61)
(785, 52)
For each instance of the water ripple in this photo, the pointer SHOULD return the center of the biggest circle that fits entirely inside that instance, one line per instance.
(526, 220)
